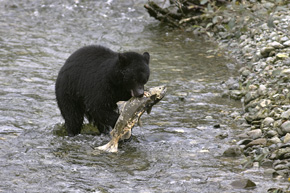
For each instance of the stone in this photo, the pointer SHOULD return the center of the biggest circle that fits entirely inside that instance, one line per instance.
(246, 73)
(265, 102)
(254, 134)
(274, 140)
(243, 183)
(285, 39)
(281, 56)
(281, 152)
(276, 45)
(266, 50)
(280, 167)
(286, 71)
(267, 121)
(286, 138)
(286, 114)
(232, 152)
(271, 133)
(287, 43)
(260, 141)
(285, 127)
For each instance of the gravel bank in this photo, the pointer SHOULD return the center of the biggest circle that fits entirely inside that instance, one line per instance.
(264, 88)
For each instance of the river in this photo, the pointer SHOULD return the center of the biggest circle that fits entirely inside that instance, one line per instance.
(180, 145)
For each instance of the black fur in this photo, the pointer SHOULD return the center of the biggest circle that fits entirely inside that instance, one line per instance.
(91, 82)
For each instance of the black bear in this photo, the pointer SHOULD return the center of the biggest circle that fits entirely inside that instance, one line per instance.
(91, 82)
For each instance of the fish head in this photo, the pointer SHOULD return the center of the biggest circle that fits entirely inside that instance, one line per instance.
(159, 91)
(155, 94)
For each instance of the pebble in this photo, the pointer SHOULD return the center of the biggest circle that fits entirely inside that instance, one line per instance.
(285, 127)
(254, 134)
(286, 114)
(286, 138)
(261, 141)
(266, 50)
(287, 43)
(276, 45)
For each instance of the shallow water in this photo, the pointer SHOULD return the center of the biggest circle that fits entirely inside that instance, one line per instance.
(176, 150)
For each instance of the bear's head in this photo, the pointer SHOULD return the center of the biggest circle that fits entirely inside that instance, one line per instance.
(135, 72)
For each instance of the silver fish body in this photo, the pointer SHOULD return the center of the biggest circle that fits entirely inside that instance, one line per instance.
(131, 111)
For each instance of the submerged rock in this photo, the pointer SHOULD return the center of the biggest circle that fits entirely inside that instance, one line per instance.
(243, 183)
(233, 151)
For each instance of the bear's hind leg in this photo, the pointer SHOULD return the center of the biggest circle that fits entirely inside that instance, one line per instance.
(73, 115)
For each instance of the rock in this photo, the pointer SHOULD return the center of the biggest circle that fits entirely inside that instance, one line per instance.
(286, 71)
(287, 43)
(254, 134)
(285, 39)
(242, 136)
(244, 141)
(280, 167)
(281, 56)
(233, 152)
(285, 127)
(243, 183)
(274, 140)
(262, 90)
(236, 94)
(276, 45)
(267, 121)
(271, 133)
(266, 50)
(265, 102)
(246, 73)
(260, 141)
(286, 114)
(286, 138)
(281, 152)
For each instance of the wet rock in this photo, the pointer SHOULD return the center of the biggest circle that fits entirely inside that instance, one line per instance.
(233, 151)
(243, 183)
(285, 127)
(236, 94)
(244, 141)
(260, 141)
(254, 134)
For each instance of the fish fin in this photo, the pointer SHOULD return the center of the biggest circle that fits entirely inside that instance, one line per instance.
(149, 110)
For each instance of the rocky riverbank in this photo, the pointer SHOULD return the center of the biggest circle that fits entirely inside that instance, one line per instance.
(263, 87)
(256, 33)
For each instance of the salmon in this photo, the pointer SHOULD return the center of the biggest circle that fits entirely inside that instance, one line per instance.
(131, 112)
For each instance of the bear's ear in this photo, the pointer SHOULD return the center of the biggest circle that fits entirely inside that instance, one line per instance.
(122, 59)
(146, 56)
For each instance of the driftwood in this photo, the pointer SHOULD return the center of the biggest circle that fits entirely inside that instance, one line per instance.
(184, 12)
